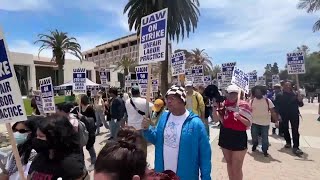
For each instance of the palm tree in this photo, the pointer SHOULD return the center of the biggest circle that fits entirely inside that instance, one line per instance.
(182, 18)
(199, 57)
(60, 44)
(125, 64)
(311, 6)
(216, 69)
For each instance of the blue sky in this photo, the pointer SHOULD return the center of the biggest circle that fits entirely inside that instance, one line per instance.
(250, 32)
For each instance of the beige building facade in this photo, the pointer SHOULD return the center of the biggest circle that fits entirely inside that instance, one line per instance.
(29, 69)
(106, 55)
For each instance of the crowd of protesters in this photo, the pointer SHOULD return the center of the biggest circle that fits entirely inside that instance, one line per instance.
(51, 147)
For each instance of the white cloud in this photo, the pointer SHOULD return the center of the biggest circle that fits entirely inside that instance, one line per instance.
(86, 41)
(24, 5)
(266, 25)
(114, 8)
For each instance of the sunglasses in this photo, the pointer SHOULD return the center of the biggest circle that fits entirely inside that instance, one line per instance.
(22, 131)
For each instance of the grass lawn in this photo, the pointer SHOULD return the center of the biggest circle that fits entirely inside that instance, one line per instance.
(27, 103)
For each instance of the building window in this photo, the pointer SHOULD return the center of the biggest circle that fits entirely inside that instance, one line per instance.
(22, 73)
(89, 75)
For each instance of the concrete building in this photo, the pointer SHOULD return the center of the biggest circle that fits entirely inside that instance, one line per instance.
(107, 54)
(29, 69)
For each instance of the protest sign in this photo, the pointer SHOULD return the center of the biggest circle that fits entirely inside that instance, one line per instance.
(296, 63)
(253, 78)
(197, 70)
(153, 37)
(207, 80)
(155, 85)
(227, 70)
(37, 97)
(198, 81)
(178, 63)
(79, 81)
(275, 79)
(127, 83)
(215, 82)
(261, 81)
(189, 76)
(240, 79)
(47, 95)
(103, 77)
(11, 104)
(142, 76)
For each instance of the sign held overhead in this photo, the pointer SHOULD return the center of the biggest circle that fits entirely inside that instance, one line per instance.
(153, 37)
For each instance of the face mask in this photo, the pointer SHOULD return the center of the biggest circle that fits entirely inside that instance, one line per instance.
(40, 145)
(20, 137)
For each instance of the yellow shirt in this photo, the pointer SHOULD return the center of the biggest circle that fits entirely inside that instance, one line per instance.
(195, 103)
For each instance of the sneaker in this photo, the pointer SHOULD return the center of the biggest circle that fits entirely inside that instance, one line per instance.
(254, 148)
(287, 146)
(297, 151)
(266, 154)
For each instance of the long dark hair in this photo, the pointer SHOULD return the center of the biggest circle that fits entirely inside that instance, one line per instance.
(26, 147)
(60, 134)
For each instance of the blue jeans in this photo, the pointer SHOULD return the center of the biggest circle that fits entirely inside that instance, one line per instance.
(114, 127)
(100, 120)
(256, 130)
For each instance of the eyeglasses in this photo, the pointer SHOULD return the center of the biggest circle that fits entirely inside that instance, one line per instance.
(22, 131)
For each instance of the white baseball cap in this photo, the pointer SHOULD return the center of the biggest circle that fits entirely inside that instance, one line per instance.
(189, 83)
(233, 89)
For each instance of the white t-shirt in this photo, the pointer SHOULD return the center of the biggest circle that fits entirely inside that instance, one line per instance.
(189, 103)
(172, 133)
(134, 118)
(260, 112)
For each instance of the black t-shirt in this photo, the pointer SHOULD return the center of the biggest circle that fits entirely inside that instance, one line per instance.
(69, 168)
(89, 112)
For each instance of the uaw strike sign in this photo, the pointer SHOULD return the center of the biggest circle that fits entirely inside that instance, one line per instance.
(207, 80)
(227, 70)
(253, 78)
(189, 76)
(142, 76)
(103, 77)
(47, 95)
(153, 37)
(197, 70)
(275, 79)
(37, 97)
(240, 79)
(178, 63)
(11, 104)
(295, 63)
(79, 81)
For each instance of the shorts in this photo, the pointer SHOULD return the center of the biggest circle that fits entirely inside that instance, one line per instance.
(233, 140)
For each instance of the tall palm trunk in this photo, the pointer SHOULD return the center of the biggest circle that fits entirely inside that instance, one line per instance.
(164, 71)
(60, 75)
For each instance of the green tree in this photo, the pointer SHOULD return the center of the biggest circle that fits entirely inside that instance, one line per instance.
(268, 73)
(275, 69)
(311, 6)
(60, 44)
(216, 69)
(305, 49)
(200, 57)
(312, 65)
(182, 19)
(125, 64)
